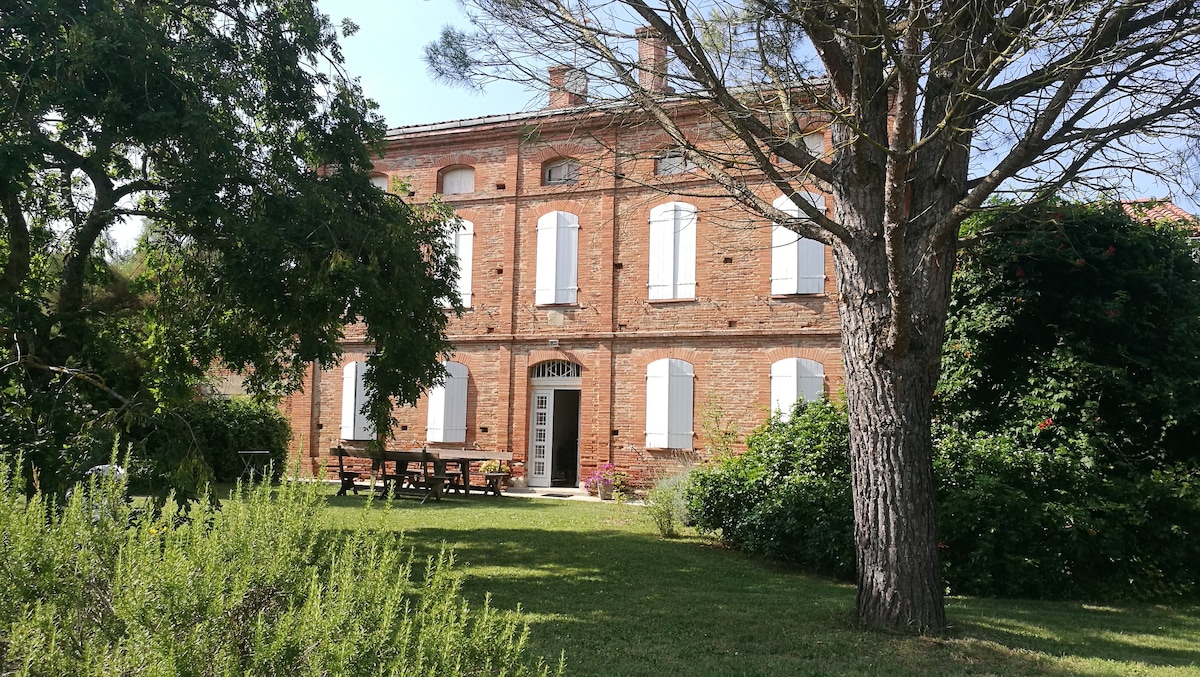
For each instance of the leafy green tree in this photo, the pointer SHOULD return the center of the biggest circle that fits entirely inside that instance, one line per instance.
(932, 108)
(1080, 328)
(231, 126)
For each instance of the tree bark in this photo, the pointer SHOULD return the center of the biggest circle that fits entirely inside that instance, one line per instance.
(892, 331)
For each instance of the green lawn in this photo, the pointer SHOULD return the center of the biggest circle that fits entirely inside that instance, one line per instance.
(596, 582)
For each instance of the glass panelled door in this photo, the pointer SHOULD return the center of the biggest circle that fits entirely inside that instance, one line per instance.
(540, 437)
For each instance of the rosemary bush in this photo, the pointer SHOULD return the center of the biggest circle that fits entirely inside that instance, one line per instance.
(252, 587)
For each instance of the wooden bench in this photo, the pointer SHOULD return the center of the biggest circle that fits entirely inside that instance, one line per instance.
(424, 482)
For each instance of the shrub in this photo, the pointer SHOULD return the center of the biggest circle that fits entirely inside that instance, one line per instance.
(252, 588)
(667, 505)
(788, 496)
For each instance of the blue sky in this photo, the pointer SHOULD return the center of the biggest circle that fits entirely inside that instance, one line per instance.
(386, 54)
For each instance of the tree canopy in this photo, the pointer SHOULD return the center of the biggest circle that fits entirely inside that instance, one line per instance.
(232, 128)
(932, 108)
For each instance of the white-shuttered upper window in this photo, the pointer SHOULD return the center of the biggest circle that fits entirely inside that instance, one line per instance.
(380, 181)
(672, 251)
(355, 424)
(447, 419)
(463, 242)
(797, 263)
(557, 259)
(458, 180)
(669, 386)
(795, 378)
(673, 162)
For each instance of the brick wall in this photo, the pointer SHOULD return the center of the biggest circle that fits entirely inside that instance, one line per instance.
(731, 332)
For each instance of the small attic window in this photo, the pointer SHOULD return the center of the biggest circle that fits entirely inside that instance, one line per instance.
(562, 170)
(380, 181)
(458, 180)
(672, 162)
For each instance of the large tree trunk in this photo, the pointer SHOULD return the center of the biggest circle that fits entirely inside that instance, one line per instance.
(892, 329)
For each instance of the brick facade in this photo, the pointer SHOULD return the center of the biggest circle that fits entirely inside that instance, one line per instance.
(731, 332)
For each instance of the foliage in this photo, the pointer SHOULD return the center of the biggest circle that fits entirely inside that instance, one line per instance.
(232, 128)
(667, 503)
(492, 465)
(606, 478)
(788, 496)
(252, 588)
(1077, 330)
(1063, 460)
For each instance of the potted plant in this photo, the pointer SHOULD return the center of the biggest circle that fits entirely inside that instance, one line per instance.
(604, 480)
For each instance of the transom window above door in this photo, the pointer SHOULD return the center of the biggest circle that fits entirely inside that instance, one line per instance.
(556, 369)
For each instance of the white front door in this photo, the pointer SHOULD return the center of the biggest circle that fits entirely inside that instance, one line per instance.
(540, 437)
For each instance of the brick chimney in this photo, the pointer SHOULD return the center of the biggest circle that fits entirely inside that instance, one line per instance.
(568, 87)
(652, 61)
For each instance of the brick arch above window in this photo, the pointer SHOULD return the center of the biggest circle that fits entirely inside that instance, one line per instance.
(686, 354)
(565, 150)
(536, 357)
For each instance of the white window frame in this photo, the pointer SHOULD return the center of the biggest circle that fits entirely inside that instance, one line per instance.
(462, 242)
(556, 281)
(672, 252)
(670, 387)
(458, 181)
(446, 420)
(560, 172)
(795, 378)
(797, 263)
(355, 424)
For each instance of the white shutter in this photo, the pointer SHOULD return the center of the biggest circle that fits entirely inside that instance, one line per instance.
(783, 387)
(461, 180)
(566, 286)
(355, 424)
(795, 378)
(447, 417)
(464, 241)
(547, 258)
(797, 264)
(685, 251)
(784, 260)
(680, 402)
(658, 388)
(810, 376)
(815, 144)
(662, 252)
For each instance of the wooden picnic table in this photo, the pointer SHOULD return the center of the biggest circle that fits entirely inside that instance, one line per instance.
(428, 480)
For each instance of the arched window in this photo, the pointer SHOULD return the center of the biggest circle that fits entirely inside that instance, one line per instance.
(458, 180)
(561, 170)
(669, 386)
(447, 418)
(795, 378)
(672, 251)
(557, 259)
(556, 369)
(797, 263)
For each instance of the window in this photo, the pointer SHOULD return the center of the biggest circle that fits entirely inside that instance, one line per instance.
(672, 251)
(793, 379)
(815, 144)
(447, 419)
(560, 171)
(557, 265)
(380, 181)
(458, 180)
(355, 424)
(462, 241)
(672, 162)
(669, 404)
(797, 263)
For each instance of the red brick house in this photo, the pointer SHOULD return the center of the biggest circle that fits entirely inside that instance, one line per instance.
(613, 296)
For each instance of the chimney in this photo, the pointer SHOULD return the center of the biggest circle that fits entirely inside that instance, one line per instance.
(652, 61)
(568, 87)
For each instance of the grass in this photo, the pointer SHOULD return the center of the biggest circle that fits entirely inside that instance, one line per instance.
(597, 583)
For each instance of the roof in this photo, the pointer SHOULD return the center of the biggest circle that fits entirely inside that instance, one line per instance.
(1160, 209)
